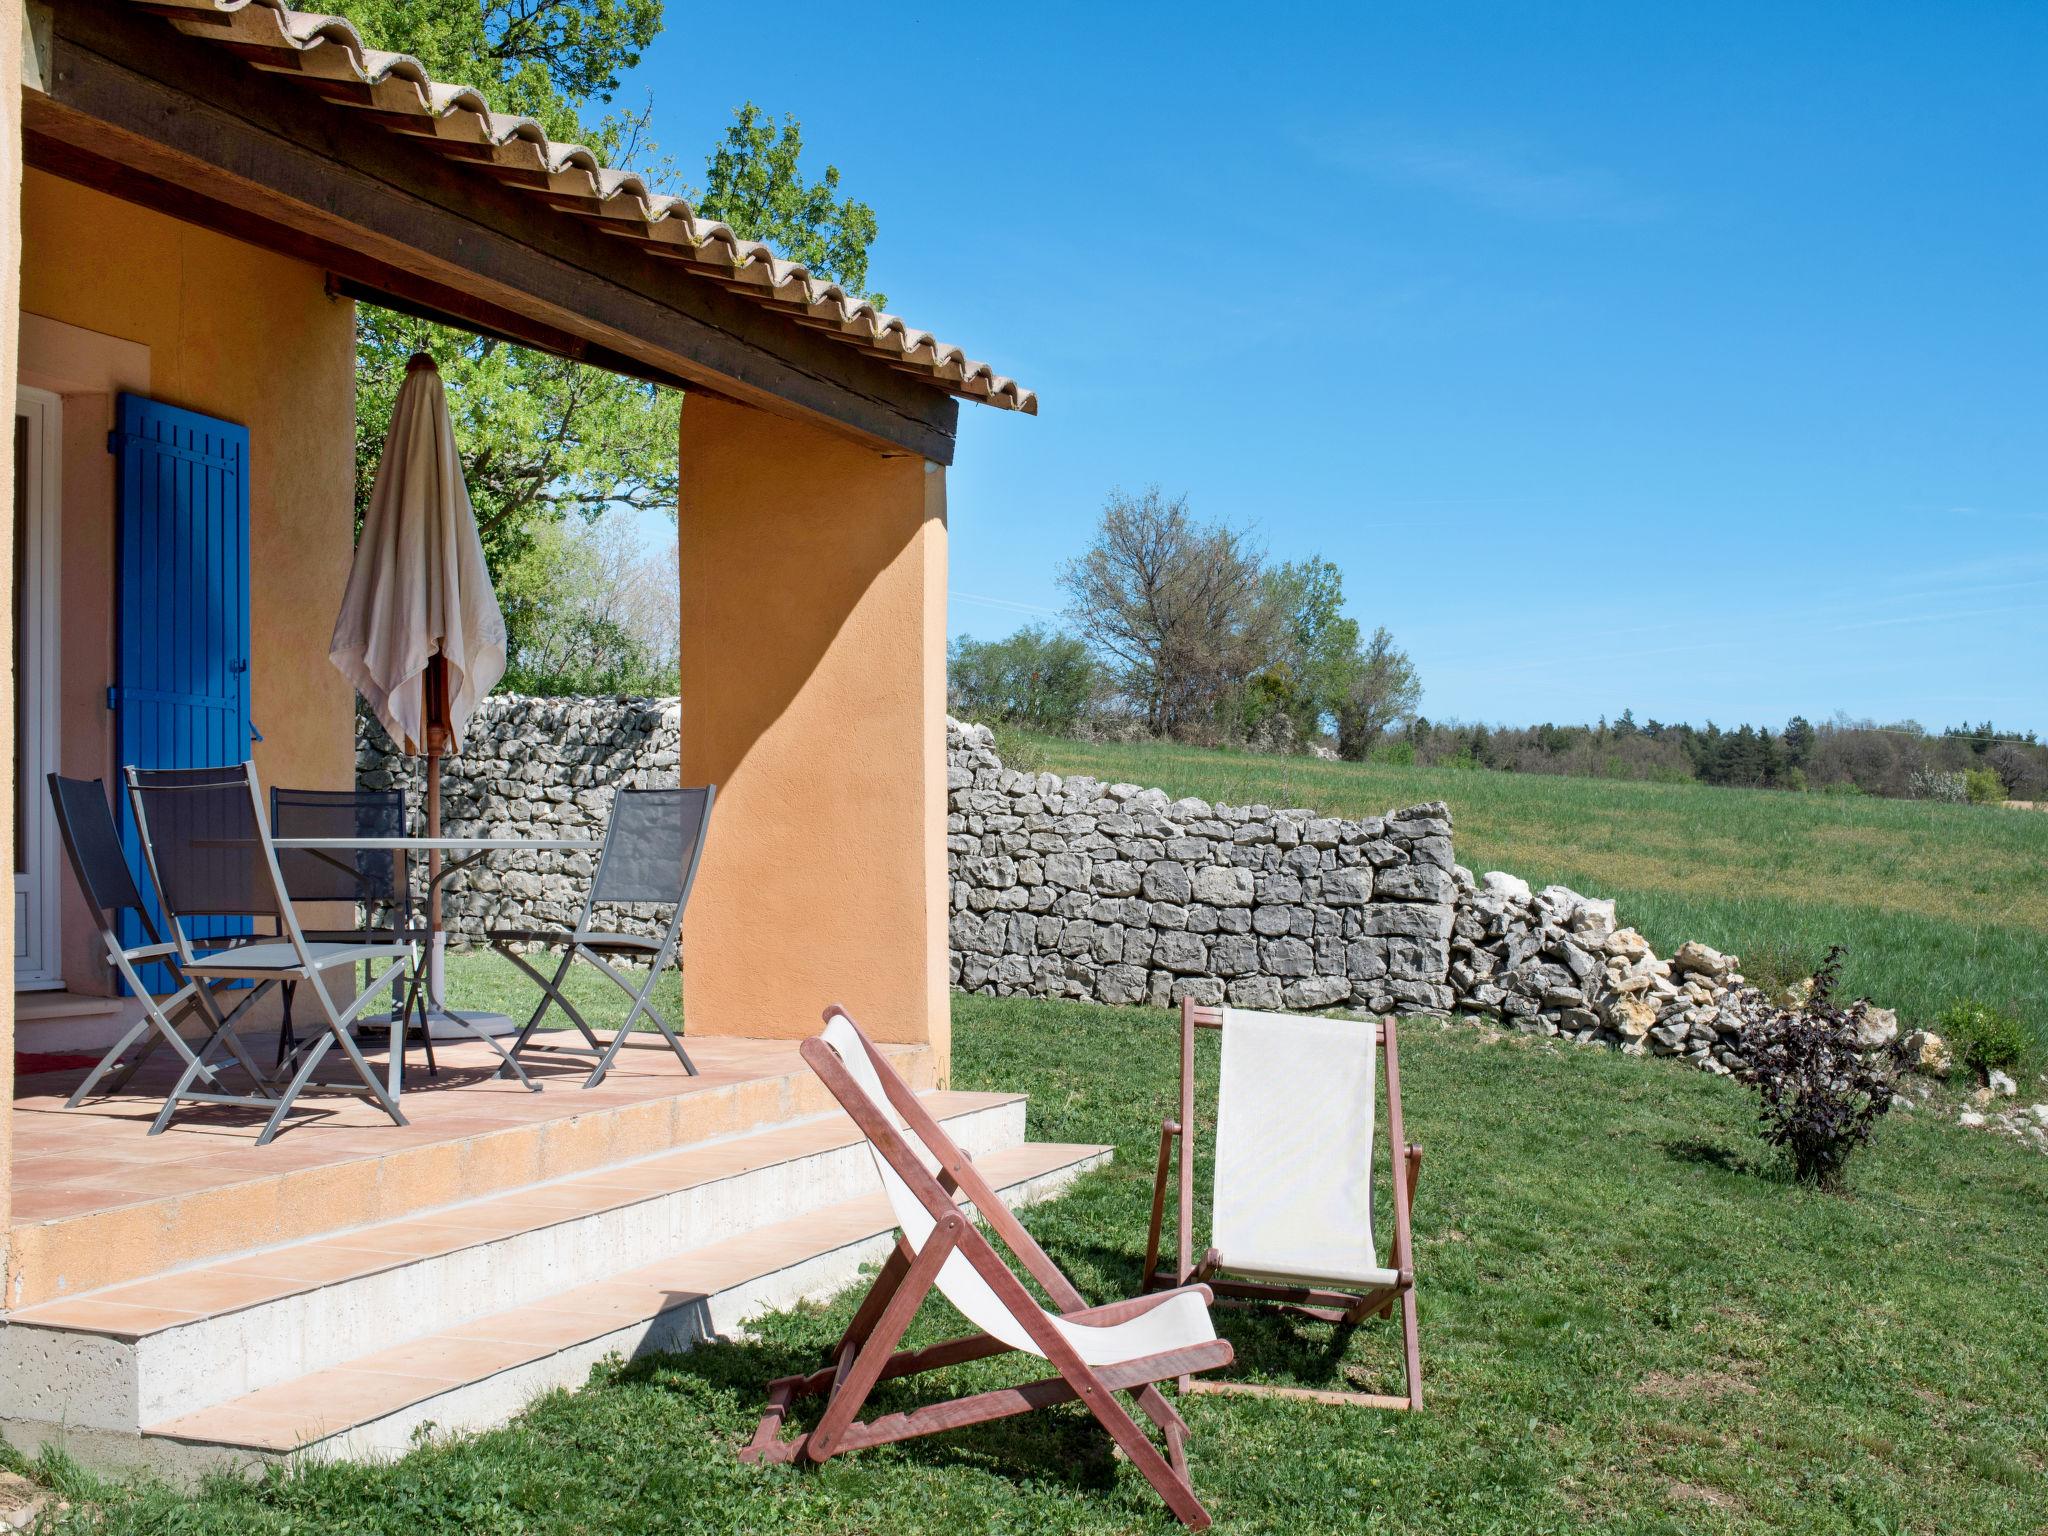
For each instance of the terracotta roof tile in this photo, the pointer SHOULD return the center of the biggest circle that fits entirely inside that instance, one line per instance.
(328, 56)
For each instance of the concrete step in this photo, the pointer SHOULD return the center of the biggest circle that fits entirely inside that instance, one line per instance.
(157, 1349)
(481, 1373)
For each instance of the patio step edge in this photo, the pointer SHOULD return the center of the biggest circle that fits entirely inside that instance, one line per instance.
(71, 1255)
(126, 1357)
(693, 1297)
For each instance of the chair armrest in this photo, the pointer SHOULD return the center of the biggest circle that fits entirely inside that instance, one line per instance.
(1136, 1306)
(149, 951)
(1168, 1129)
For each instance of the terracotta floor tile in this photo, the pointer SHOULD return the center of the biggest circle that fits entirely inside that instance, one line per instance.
(77, 1166)
(543, 1326)
(448, 1361)
(206, 1291)
(329, 1402)
(54, 1202)
(236, 1424)
(125, 1319)
(316, 1263)
(418, 1236)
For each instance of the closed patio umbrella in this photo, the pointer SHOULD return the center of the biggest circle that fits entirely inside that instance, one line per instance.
(420, 633)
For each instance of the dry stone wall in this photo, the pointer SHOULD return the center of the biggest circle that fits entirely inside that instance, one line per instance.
(1114, 893)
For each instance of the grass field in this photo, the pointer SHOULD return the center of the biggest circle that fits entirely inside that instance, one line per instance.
(1933, 901)
(1631, 1325)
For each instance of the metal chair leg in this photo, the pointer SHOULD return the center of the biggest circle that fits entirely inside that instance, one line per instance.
(642, 1003)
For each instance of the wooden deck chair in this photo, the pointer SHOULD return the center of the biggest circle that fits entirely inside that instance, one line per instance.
(1291, 1209)
(1126, 1346)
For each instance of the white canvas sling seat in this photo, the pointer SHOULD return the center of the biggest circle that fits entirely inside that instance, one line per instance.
(1098, 1352)
(206, 840)
(1291, 1202)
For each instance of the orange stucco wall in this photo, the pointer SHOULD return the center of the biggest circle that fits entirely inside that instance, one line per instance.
(117, 297)
(813, 695)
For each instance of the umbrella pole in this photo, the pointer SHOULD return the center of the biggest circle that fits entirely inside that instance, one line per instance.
(436, 685)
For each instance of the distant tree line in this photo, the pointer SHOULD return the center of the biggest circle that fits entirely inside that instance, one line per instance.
(1981, 762)
(1183, 630)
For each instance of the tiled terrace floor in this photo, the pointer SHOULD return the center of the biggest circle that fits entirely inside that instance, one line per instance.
(97, 1200)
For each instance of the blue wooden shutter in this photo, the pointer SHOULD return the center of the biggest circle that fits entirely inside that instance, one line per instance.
(182, 606)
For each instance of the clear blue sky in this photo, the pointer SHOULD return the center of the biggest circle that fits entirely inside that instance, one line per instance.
(1622, 357)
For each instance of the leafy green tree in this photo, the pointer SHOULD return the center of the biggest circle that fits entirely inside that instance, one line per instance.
(1798, 740)
(1318, 644)
(544, 439)
(1382, 689)
(1036, 677)
(754, 183)
(597, 611)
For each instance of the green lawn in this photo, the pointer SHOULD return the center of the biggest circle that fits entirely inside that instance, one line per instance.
(1933, 901)
(1631, 1324)
(480, 980)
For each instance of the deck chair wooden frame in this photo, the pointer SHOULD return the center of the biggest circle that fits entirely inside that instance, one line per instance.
(1342, 1304)
(866, 1354)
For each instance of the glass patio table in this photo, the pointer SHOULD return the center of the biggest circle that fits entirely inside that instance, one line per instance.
(457, 853)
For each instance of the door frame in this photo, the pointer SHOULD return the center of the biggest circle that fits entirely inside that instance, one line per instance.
(40, 965)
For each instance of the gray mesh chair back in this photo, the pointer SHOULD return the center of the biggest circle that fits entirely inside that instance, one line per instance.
(204, 842)
(92, 843)
(375, 881)
(368, 877)
(651, 848)
(208, 847)
(651, 851)
(85, 823)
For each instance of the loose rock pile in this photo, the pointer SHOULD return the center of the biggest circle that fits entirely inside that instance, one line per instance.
(1552, 962)
(1068, 887)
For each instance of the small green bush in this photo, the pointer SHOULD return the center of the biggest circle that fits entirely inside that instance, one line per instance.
(1984, 787)
(1983, 1037)
(1772, 965)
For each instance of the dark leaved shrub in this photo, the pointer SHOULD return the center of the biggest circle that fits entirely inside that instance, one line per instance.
(1821, 1092)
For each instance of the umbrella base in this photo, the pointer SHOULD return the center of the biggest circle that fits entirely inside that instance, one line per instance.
(445, 1026)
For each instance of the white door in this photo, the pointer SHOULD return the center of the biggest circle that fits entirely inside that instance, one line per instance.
(37, 856)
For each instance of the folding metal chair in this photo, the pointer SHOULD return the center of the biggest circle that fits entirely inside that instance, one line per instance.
(375, 881)
(649, 857)
(207, 844)
(1097, 1352)
(85, 822)
(1291, 1204)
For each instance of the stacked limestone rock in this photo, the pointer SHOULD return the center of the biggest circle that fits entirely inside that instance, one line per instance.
(1552, 962)
(534, 768)
(1068, 887)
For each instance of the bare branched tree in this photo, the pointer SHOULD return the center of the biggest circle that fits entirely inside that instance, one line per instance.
(1179, 609)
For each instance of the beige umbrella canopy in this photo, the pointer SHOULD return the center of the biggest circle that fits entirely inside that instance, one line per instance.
(420, 633)
(419, 589)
